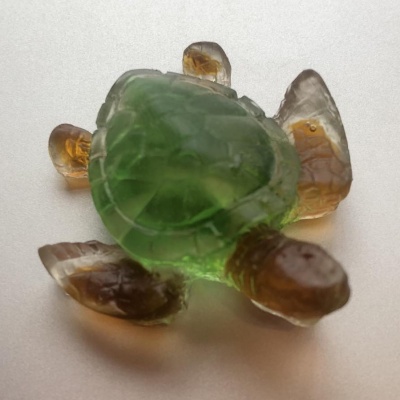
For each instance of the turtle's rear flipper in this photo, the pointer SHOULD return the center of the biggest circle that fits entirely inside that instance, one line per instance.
(69, 148)
(103, 278)
(311, 120)
(207, 60)
(295, 280)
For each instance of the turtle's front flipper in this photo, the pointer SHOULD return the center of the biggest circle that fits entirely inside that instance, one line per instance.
(69, 148)
(103, 278)
(310, 118)
(295, 280)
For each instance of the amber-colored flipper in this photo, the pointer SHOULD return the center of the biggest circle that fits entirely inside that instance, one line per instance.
(207, 60)
(323, 181)
(295, 280)
(310, 118)
(103, 278)
(69, 148)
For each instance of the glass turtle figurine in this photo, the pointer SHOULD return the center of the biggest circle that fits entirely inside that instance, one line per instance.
(193, 182)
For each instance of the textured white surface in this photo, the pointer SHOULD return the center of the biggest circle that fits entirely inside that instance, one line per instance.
(58, 59)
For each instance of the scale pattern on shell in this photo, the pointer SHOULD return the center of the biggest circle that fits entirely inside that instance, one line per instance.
(193, 182)
(180, 168)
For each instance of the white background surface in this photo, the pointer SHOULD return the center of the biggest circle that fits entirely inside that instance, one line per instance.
(58, 60)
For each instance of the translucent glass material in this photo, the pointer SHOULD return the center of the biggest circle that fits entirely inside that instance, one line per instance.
(207, 60)
(180, 167)
(295, 280)
(310, 118)
(194, 182)
(69, 148)
(105, 279)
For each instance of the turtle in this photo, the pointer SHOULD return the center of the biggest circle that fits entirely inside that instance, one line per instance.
(194, 182)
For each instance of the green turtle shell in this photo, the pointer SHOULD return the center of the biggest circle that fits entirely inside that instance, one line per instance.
(180, 168)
